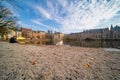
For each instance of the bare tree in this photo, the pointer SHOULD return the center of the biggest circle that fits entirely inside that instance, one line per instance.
(7, 21)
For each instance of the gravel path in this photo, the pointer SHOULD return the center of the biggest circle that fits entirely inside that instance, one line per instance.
(45, 62)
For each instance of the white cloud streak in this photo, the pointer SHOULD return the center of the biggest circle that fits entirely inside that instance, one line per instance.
(38, 22)
(43, 12)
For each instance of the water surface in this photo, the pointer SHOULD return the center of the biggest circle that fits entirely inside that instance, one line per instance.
(96, 44)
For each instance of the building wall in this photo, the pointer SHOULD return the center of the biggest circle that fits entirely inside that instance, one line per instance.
(57, 37)
(27, 33)
(39, 34)
(104, 33)
(12, 33)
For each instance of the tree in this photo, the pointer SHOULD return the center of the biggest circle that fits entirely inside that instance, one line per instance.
(7, 21)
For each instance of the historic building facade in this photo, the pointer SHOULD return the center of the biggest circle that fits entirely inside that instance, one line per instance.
(97, 34)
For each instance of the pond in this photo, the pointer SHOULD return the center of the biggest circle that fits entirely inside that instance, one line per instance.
(96, 44)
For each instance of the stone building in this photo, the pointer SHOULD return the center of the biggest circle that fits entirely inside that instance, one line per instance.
(12, 33)
(115, 32)
(97, 34)
(27, 33)
(39, 34)
(58, 37)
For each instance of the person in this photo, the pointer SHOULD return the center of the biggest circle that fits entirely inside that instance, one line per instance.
(13, 39)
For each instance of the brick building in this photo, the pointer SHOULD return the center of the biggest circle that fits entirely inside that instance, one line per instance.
(27, 33)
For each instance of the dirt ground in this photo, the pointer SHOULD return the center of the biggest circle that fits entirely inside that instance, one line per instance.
(47, 62)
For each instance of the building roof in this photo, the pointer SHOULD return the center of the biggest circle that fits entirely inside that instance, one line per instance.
(26, 29)
(95, 30)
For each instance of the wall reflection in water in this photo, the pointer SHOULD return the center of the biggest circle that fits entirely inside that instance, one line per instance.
(97, 44)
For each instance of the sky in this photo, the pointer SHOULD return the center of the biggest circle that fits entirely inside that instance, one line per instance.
(66, 16)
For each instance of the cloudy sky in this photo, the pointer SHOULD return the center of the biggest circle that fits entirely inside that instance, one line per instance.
(67, 16)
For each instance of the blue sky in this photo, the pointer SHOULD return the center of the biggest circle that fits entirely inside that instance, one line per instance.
(67, 16)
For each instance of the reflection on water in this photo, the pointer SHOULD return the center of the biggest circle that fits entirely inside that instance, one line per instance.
(105, 44)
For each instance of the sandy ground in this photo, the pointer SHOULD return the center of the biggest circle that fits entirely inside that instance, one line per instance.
(45, 62)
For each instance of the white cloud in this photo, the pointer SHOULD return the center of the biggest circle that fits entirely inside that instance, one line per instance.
(22, 24)
(44, 12)
(84, 15)
(78, 15)
(38, 22)
(64, 3)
